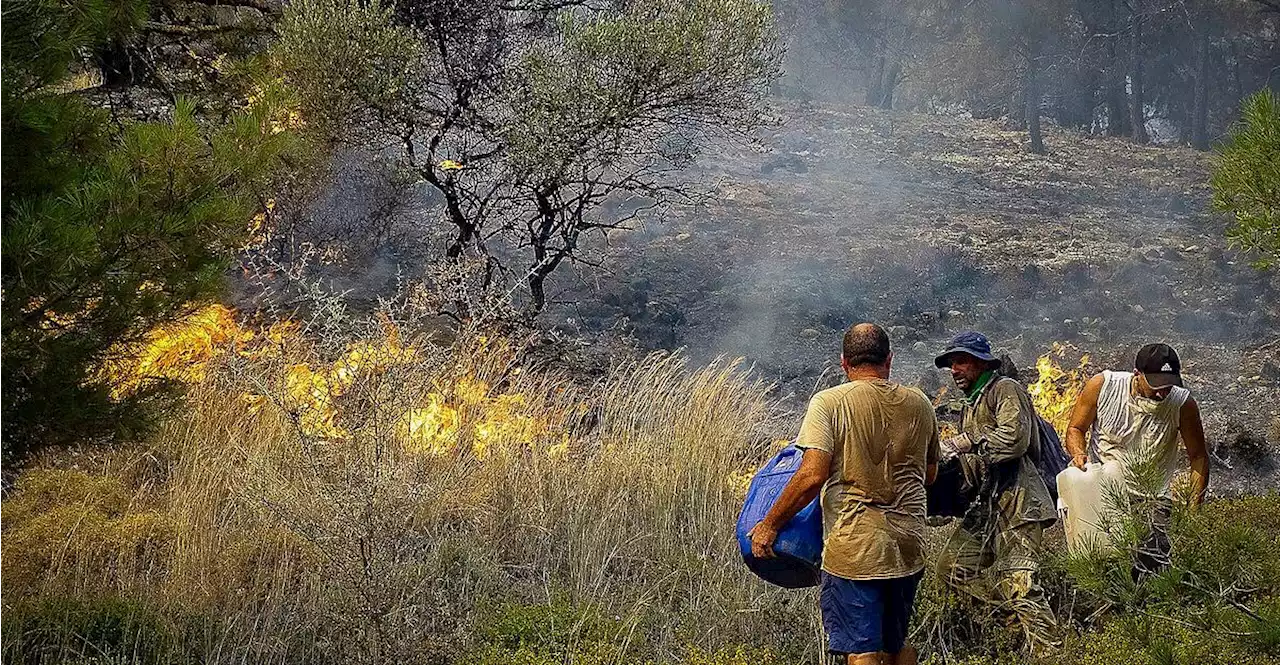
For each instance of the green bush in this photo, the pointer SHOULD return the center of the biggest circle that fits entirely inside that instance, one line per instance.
(1229, 543)
(106, 630)
(59, 521)
(110, 226)
(1246, 181)
(558, 634)
(556, 628)
(1218, 603)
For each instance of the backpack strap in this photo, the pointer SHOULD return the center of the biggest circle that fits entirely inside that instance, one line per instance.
(989, 398)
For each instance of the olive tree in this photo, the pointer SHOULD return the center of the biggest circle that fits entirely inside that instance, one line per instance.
(526, 118)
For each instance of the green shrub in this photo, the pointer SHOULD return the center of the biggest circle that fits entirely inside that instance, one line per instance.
(553, 628)
(1233, 542)
(1266, 628)
(1216, 604)
(558, 633)
(61, 630)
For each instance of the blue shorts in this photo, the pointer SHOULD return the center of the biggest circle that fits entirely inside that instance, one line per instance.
(866, 616)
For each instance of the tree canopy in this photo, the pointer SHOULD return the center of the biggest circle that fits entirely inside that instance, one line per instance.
(525, 120)
(111, 225)
(1246, 180)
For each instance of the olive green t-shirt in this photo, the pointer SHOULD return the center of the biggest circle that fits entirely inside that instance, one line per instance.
(881, 437)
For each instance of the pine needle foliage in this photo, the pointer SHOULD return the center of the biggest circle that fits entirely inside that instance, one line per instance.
(1246, 182)
(110, 226)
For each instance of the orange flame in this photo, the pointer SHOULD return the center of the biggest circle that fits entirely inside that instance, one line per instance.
(1055, 392)
(464, 413)
(177, 352)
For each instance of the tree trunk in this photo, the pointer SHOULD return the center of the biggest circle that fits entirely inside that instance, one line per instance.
(875, 82)
(1137, 104)
(1017, 108)
(116, 63)
(1200, 112)
(1031, 94)
(1115, 97)
(537, 292)
(889, 84)
(1074, 107)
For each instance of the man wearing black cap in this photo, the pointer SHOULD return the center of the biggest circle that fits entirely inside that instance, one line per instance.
(993, 554)
(1138, 417)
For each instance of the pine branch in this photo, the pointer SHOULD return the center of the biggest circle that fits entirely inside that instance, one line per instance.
(261, 5)
(197, 30)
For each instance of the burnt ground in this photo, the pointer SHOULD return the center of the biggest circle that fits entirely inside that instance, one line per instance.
(931, 225)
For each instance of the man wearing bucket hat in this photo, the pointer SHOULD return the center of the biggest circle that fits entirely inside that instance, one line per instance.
(992, 555)
(1139, 417)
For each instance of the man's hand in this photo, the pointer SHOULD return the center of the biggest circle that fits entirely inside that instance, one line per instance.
(956, 445)
(1192, 430)
(762, 538)
(1083, 415)
(815, 468)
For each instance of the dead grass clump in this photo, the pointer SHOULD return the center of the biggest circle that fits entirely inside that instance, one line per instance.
(368, 502)
(65, 528)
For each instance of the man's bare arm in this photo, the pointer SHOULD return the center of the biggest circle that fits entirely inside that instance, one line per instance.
(815, 468)
(930, 473)
(1082, 417)
(1192, 430)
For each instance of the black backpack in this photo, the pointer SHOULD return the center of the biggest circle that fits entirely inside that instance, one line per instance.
(1051, 458)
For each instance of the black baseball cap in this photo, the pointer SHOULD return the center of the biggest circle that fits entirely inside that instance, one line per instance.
(1160, 365)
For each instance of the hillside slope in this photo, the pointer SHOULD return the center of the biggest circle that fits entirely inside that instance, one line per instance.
(932, 225)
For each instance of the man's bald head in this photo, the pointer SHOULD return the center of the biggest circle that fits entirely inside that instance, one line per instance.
(865, 344)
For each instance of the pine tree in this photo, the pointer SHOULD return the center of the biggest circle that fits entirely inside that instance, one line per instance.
(1246, 180)
(110, 227)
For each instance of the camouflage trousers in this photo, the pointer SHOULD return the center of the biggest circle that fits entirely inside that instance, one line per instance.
(998, 567)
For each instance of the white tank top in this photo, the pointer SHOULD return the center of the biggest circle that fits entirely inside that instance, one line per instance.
(1139, 431)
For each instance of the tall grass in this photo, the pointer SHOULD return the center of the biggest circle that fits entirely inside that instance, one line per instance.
(608, 508)
(392, 502)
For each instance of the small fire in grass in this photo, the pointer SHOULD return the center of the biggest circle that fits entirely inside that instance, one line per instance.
(1056, 388)
(467, 411)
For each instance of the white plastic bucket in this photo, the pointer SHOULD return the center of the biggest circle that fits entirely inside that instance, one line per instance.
(1091, 504)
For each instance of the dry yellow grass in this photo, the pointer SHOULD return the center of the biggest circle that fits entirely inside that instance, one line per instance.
(368, 540)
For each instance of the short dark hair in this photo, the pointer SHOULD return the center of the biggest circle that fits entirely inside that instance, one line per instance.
(865, 344)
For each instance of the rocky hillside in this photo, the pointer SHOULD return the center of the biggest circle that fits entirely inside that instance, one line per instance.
(932, 225)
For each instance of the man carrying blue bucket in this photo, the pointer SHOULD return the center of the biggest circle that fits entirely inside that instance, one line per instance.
(870, 446)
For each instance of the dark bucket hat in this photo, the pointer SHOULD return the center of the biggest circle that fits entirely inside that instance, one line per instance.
(972, 343)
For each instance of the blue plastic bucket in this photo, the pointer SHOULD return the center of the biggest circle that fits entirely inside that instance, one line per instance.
(799, 546)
